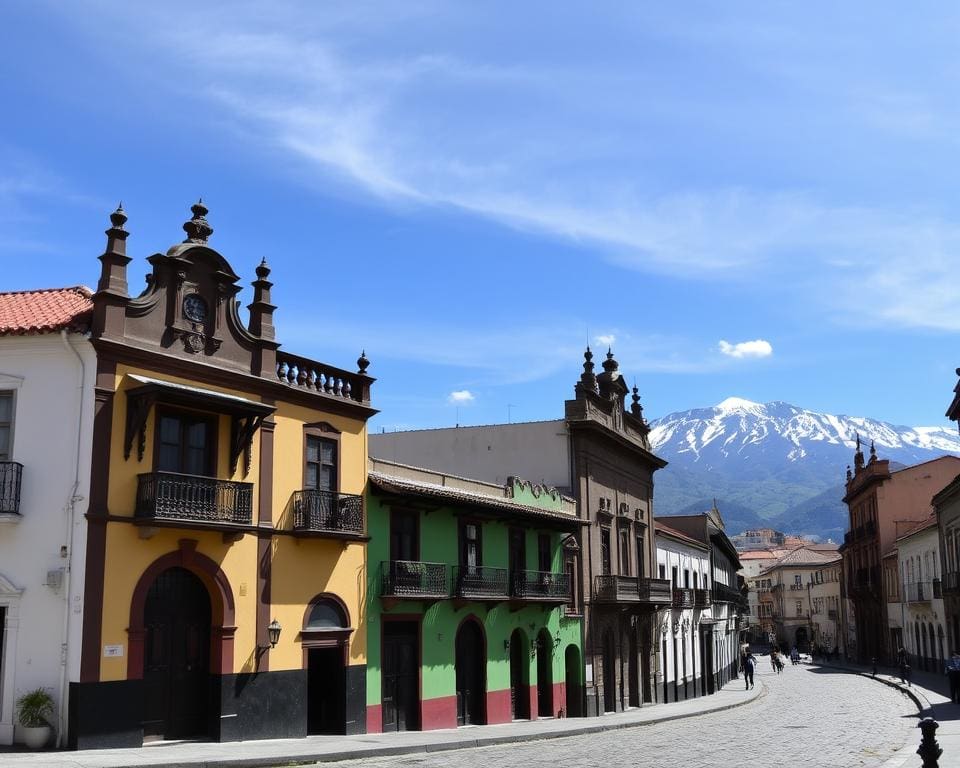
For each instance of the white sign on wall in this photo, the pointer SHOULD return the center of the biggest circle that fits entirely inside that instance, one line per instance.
(589, 673)
(112, 651)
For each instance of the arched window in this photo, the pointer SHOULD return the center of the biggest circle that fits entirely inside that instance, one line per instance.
(326, 614)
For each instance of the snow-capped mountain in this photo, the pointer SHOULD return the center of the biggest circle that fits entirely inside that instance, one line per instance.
(769, 462)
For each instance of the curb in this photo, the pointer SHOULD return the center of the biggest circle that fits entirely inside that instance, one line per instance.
(306, 758)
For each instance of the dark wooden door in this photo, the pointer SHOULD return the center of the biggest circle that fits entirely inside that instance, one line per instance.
(633, 671)
(517, 554)
(609, 674)
(326, 691)
(400, 697)
(176, 670)
(519, 688)
(544, 677)
(470, 665)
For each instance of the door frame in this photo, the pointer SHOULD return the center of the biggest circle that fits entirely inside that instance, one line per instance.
(415, 618)
(474, 619)
(10, 600)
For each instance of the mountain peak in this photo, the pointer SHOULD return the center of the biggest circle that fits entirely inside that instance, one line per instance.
(734, 404)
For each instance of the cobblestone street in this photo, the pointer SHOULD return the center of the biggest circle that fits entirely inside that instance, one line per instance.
(808, 716)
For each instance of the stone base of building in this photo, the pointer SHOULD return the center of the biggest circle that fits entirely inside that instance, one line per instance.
(243, 707)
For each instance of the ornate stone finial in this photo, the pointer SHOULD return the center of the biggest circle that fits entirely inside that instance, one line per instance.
(362, 362)
(263, 271)
(635, 408)
(610, 364)
(858, 456)
(198, 229)
(873, 452)
(119, 217)
(849, 474)
(588, 379)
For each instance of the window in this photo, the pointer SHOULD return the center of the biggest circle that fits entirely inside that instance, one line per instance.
(624, 552)
(662, 570)
(470, 551)
(326, 614)
(321, 464)
(6, 424)
(799, 607)
(640, 557)
(570, 568)
(686, 578)
(696, 576)
(605, 551)
(185, 443)
(673, 577)
(404, 535)
(544, 555)
(797, 579)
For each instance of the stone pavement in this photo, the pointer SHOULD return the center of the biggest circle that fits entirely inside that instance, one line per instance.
(810, 715)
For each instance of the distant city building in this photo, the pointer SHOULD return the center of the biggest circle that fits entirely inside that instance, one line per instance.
(759, 538)
(881, 504)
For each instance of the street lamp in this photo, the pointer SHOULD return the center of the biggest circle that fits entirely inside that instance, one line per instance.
(273, 631)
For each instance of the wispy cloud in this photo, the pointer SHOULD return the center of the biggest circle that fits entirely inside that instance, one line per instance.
(605, 340)
(461, 397)
(749, 349)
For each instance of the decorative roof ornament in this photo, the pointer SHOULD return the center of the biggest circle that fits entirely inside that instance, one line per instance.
(849, 474)
(873, 452)
(858, 456)
(118, 218)
(610, 365)
(363, 363)
(588, 379)
(198, 229)
(635, 408)
(263, 271)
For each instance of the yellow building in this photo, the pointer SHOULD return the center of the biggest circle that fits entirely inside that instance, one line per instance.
(226, 555)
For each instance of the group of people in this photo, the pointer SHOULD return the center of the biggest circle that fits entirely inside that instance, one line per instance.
(748, 663)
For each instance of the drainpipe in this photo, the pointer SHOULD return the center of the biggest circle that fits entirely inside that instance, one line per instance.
(71, 517)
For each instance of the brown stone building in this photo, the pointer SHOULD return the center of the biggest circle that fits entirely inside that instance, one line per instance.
(599, 454)
(878, 499)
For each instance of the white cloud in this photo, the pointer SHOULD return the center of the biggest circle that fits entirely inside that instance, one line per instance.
(605, 340)
(755, 348)
(461, 396)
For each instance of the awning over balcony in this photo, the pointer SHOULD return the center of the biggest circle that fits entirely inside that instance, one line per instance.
(246, 415)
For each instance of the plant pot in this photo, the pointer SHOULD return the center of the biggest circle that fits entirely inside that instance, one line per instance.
(37, 737)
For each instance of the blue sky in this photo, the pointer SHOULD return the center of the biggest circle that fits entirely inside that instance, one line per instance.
(471, 192)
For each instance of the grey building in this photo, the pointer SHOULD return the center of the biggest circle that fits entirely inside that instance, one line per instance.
(598, 453)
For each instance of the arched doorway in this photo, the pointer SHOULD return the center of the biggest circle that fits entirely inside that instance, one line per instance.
(519, 676)
(176, 664)
(572, 671)
(471, 662)
(800, 638)
(325, 635)
(609, 673)
(544, 675)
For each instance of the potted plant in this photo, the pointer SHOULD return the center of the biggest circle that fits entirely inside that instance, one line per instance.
(34, 709)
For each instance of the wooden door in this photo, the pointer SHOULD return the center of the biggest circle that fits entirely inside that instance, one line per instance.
(401, 675)
(176, 675)
(519, 693)
(471, 663)
(544, 676)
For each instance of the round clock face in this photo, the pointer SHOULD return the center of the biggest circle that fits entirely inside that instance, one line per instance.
(194, 308)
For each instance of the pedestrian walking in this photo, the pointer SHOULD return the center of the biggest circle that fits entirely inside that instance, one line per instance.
(749, 663)
(903, 661)
(953, 674)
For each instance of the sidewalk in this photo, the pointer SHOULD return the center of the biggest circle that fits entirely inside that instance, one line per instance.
(328, 748)
(931, 693)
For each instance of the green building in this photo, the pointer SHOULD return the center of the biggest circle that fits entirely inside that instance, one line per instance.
(472, 610)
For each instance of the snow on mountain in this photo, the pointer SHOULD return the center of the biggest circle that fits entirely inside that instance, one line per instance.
(776, 463)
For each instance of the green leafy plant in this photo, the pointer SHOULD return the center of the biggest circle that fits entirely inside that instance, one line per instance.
(35, 708)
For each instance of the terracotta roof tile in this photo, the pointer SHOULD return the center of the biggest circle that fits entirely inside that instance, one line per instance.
(45, 311)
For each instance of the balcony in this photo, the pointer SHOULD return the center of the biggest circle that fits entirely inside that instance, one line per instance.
(540, 586)
(797, 587)
(918, 592)
(631, 590)
(951, 582)
(325, 513)
(11, 473)
(724, 594)
(682, 598)
(194, 500)
(701, 598)
(413, 580)
(477, 582)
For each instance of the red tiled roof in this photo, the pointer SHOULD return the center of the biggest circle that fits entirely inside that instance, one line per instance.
(45, 311)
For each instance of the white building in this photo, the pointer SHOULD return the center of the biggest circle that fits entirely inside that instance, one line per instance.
(684, 666)
(47, 370)
(921, 609)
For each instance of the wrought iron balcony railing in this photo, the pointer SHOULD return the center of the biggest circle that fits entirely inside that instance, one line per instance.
(316, 511)
(11, 473)
(413, 579)
(630, 589)
(479, 582)
(192, 498)
(724, 594)
(918, 591)
(701, 598)
(542, 586)
(683, 598)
